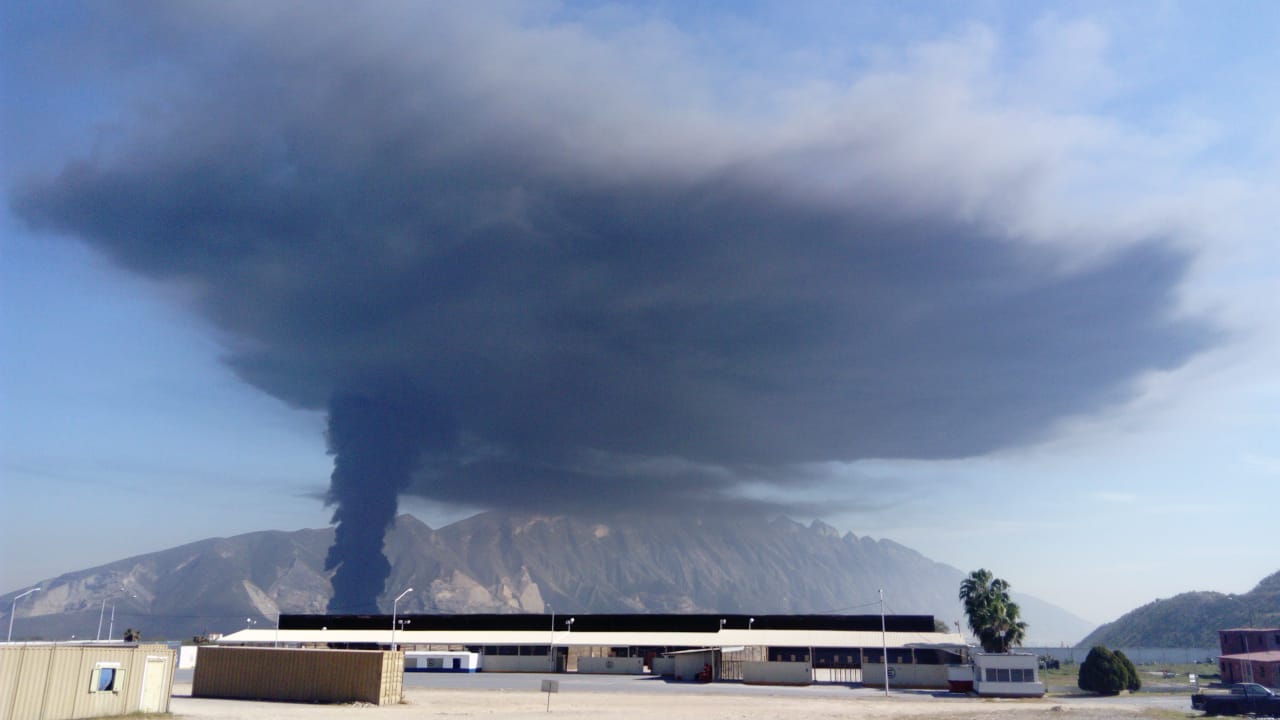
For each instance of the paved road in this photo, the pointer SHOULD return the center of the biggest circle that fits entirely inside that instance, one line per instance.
(575, 683)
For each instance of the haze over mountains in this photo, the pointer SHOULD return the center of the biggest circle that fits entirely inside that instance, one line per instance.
(507, 562)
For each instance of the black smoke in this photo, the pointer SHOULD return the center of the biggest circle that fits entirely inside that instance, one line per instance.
(378, 435)
(607, 292)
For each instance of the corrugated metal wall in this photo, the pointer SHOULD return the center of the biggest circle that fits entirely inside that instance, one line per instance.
(53, 682)
(299, 675)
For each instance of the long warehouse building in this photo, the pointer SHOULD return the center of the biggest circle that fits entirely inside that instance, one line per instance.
(529, 642)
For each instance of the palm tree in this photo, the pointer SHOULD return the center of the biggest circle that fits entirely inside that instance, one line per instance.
(993, 617)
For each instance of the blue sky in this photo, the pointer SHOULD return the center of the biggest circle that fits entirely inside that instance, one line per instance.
(1071, 131)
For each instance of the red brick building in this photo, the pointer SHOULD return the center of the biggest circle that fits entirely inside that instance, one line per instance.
(1250, 655)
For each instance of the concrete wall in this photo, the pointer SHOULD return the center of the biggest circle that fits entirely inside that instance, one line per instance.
(1139, 656)
(906, 675)
(57, 682)
(688, 665)
(299, 675)
(776, 673)
(664, 666)
(516, 663)
(611, 665)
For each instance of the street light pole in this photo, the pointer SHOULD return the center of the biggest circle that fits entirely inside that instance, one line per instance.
(552, 648)
(884, 644)
(394, 603)
(101, 614)
(14, 611)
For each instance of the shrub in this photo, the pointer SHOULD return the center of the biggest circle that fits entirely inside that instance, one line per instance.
(1132, 682)
(1104, 673)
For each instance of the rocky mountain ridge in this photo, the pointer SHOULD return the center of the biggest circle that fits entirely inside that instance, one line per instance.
(503, 562)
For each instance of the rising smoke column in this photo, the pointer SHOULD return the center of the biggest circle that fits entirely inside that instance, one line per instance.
(628, 291)
(378, 435)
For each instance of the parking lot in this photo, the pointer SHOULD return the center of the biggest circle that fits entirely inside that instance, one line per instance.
(517, 695)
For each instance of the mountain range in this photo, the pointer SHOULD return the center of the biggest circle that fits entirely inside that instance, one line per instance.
(505, 562)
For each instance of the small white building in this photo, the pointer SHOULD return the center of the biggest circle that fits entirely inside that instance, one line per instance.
(457, 661)
(1007, 675)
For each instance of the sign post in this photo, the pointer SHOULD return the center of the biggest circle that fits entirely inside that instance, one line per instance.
(548, 687)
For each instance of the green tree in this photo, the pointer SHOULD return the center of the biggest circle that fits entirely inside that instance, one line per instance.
(1104, 673)
(1132, 682)
(994, 618)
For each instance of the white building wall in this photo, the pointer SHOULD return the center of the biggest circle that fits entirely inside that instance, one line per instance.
(905, 675)
(688, 665)
(611, 665)
(759, 672)
(516, 663)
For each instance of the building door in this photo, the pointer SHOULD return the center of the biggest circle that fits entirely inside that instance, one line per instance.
(153, 687)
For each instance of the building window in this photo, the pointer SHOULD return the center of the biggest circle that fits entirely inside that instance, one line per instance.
(107, 677)
(1017, 675)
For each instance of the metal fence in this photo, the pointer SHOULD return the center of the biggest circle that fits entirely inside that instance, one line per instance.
(844, 675)
(1139, 656)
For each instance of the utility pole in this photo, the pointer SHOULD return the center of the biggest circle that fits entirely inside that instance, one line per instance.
(884, 644)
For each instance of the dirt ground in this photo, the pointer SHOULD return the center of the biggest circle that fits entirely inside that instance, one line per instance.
(516, 705)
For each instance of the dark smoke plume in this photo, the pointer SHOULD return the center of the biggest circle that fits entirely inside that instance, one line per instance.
(378, 436)
(608, 290)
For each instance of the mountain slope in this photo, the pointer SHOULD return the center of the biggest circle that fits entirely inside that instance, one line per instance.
(502, 562)
(1192, 619)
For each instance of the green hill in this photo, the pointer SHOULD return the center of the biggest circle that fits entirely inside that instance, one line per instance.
(1192, 619)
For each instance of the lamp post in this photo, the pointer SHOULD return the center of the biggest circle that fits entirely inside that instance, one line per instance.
(722, 622)
(14, 610)
(884, 644)
(395, 603)
(552, 649)
(568, 624)
(750, 622)
(102, 613)
(111, 629)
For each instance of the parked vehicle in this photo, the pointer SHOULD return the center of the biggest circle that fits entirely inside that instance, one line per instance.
(1244, 699)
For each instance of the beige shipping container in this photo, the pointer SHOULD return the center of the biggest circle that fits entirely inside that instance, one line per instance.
(299, 675)
(47, 681)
